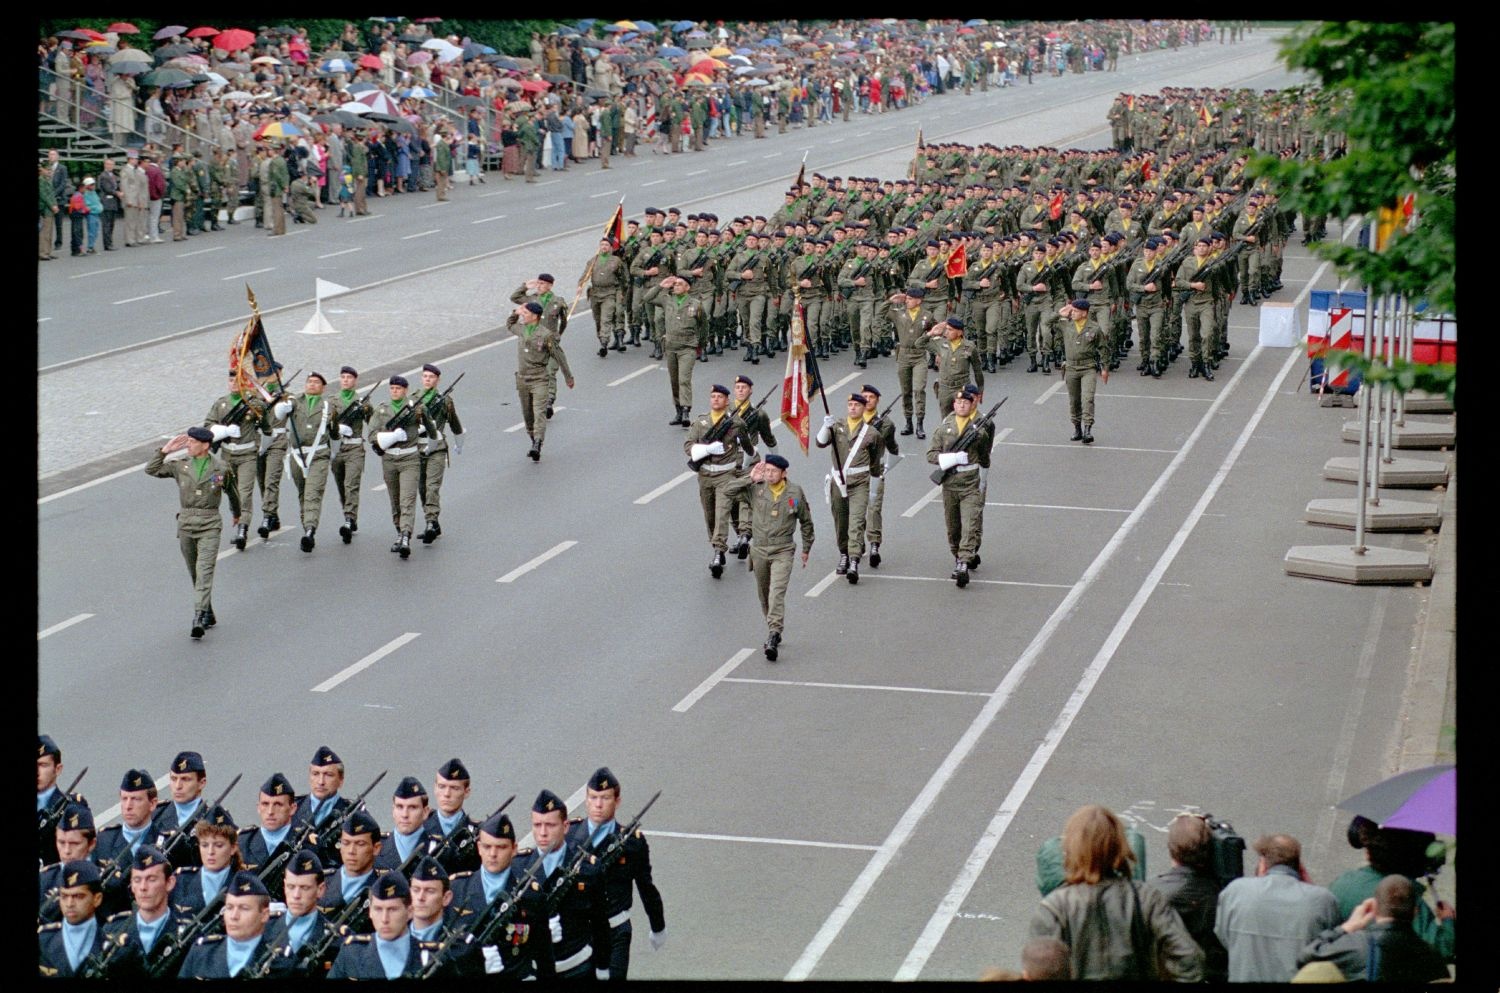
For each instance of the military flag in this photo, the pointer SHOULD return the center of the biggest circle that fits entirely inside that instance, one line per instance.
(800, 382)
(615, 229)
(250, 359)
(1055, 205)
(957, 263)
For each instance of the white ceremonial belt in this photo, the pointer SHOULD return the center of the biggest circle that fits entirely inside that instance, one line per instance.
(710, 467)
(244, 446)
(966, 468)
(855, 470)
(400, 451)
(354, 442)
(277, 431)
(620, 918)
(309, 450)
(576, 959)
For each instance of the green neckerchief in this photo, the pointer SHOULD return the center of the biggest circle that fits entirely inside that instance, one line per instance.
(427, 395)
(396, 405)
(680, 300)
(312, 401)
(545, 298)
(201, 464)
(346, 395)
(234, 396)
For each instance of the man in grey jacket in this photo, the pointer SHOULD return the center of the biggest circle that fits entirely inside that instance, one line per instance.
(1266, 920)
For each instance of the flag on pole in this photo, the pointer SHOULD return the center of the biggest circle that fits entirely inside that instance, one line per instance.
(1204, 115)
(1130, 101)
(798, 385)
(615, 229)
(801, 172)
(1055, 205)
(958, 262)
(251, 362)
(916, 159)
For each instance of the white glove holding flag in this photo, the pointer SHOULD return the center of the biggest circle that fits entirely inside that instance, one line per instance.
(717, 448)
(345, 431)
(282, 409)
(658, 939)
(219, 431)
(826, 431)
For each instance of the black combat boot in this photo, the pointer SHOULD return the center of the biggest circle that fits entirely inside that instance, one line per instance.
(974, 562)
(635, 335)
(405, 544)
(196, 631)
(1206, 372)
(433, 530)
(1088, 434)
(603, 350)
(853, 573)
(961, 573)
(1033, 366)
(920, 433)
(241, 535)
(1077, 432)
(773, 643)
(1194, 370)
(656, 352)
(716, 565)
(346, 531)
(843, 568)
(875, 555)
(619, 341)
(908, 429)
(209, 620)
(308, 542)
(742, 548)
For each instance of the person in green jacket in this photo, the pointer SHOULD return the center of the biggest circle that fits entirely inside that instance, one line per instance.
(202, 478)
(1394, 851)
(47, 209)
(359, 171)
(442, 164)
(531, 145)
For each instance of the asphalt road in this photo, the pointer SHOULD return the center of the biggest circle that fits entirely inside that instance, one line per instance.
(868, 807)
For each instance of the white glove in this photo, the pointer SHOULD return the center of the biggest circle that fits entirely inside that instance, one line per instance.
(282, 409)
(658, 939)
(492, 960)
(699, 452)
(963, 458)
(555, 924)
(825, 433)
(717, 448)
(421, 429)
(829, 420)
(385, 439)
(947, 460)
(458, 444)
(219, 431)
(602, 975)
(345, 431)
(234, 430)
(400, 434)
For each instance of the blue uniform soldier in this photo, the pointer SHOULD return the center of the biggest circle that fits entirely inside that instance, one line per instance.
(345, 899)
(50, 800)
(244, 950)
(216, 839)
(275, 836)
(76, 841)
(409, 831)
(511, 949)
(322, 804)
(118, 843)
(391, 952)
(66, 947)
(457, 828)
(137, 935)
(576, 922)
(186, 778)
(304, 927)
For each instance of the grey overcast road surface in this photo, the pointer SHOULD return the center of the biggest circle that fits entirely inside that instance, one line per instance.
(870, 806)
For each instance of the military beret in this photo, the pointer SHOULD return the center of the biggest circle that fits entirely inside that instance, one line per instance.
(391, 886)
(409, 787)
(867, 388)
(934, 243)
(499, 826)
(744, 379)
(956, 323)
(319, 377)
(219, 817)
(46, 746)
(1114, 237)
(858, 398)
(545, 277)
(1040, 246)
(651, 210)
(916, 291)
(546, 802)
(675, 210)
(135, 780)
(603, 779)
(277, 785)
(453, 769)
(199, 434)
(76, 818)
(349, 370)
(81, 872)
(149, 857)
(429, 870)
(247, 883)
(534, 307)
(1220, 236)
(359, 823)
(306, 863)
(1080, 304)
(779, 461)
(429, 367)
(971, 391)
(630, 224)
(401, 382)
(717, 388)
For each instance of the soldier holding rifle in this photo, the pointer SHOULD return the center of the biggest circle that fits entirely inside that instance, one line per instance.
(394, 431)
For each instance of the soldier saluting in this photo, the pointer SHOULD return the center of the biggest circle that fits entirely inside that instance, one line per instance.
(202, 478)
(777, 508)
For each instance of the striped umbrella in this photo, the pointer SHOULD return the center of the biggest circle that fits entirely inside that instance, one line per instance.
(379, 102)
(279, 129)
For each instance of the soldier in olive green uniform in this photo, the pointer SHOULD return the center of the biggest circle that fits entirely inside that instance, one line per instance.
(349, 415)
(302, 197)
(201, 187)
(311, 414)
(180, 186)
(201, 478)
(537, 349)
(607, 282)
(226, 190)
(856, 447)
(238, 419)
(911, 354)
(442, 166)
(749, 270)
(695, 261)
(777, 508)
(679, 339)
(963, 492)
(275, 178)
(1147, 283)
(1198, 312)
(859, 282)
(441, 414)
(272, 462)
(957, 359)
(359, 172)
(716, 447)
(757, 431)
(874, 530)
(394, 430)
(554, 319)
(1084, 351)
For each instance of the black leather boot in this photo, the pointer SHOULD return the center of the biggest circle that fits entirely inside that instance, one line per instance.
(1077, 432)
(908, 429)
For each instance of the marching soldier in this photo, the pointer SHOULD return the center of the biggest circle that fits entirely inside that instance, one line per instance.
(1148, 282)
(394, 430)
(757, 426)
(310, 413)
(750, 271)
(349, 414)
(65, 946)
(272, 462)
(554, 319)
(931, 275)
(234, 419)
(1198, 312)
(391, 952)
(303, 927)
(716, 447)
(963, 493)
(217, 838)
(855, 448)
(1083, 346)
(432, 913)
(630, 867)
(452, 788)
(777, 508)
(201, 479)
(321, 805)
(958, 362)
(118, 843)
(74, 840)
(576, 922)
(607, 282)
(441, 413)
(344, 899)
(49, 799)
(535, 352)
(859, 283)
(186, 777)
(260, 844)
(695, 262)
(874, 531)
(513, 954)
(678, 338)
(409, 830)
(138, 933)
(911, 354)
(244, 949)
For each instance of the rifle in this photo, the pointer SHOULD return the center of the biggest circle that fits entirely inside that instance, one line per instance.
(565, 881)
(970, 435)
(260, 966)
(308, 835)
(171, 948)
(721, 430)
(436, 403)
(313, 952)
(650, 263)
(401, 421)
(186, 830)
(464, 837)
(52, 813)
(494, 916)
(972, 287)
(97, 964)
(359, 405)
(735, 284)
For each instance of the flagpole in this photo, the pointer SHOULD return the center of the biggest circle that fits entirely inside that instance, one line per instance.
(812, 362)
(589, 270)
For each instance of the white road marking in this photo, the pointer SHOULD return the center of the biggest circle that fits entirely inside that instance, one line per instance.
(654, 182)
(682, 478)
(737, 162)
(43, 320)
(549, 206)
(93, 482)
(972, 579)
(855, 686)
(835, 141)
(629, 376)
(606, 193)
(62, 625)
(907, 824)
(932, 495)
(366, 217)
(1141, 396)
(485, 220)
(100, 272)
(242, 275)
(822, 584)
(1056, 506)
(548, 182)
(344, 252)
(551, 553)
(697, 172)
(484, 196)
(1096, 448)
(365, 662)
(1051, 392)
(105, 816)
(201, 251)
(435, 203)
(759, 841)
(978, 858)
(771, 156)
(148, 296)
(293, 234)
(734, 660)
(420, 234)
(522, 425)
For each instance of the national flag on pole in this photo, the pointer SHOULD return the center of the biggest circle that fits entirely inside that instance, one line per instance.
(615, 229)
(250, 360)
(958, 262)
(799, 384)
(1055, 205)
(916, 159)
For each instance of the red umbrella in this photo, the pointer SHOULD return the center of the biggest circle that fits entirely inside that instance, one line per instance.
(535, 85)
(234, 39)
(96, 36)
(427, 20)
(203, 32)
(370, 62)
(124, 27)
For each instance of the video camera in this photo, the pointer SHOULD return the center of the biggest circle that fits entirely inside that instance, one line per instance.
(1227, 850)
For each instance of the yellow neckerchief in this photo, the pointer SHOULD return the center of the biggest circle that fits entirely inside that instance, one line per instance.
(778, 488)
(870, 415)
(1125, 224)
(962, 422)
(1096, 263)
(740, 408)
(953, 343)
(716, 415)
(1079, 324)
(853, 424)
(1151, 263)
(912, 312)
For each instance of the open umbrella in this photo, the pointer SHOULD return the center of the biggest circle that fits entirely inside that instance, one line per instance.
(468, 101)
(437, 43)
(719, 52)
(535, 85)
(696, 34)
(473, 50)
(646, 27)
(265, 60)
(965, 31)
(683, 26)
(279, 129)
(698, 43)
(379, 102)
(80, 34)
(123, 27)
(129, 55)
(370, 62)
(394, 123)
(354, 89)
(171, 31)
(614, 29)
(418, 91)
(236, 95)
(626, 25)
(975, 22)
(354, 107)
(337, 65)
(129, 68)
(203, 32)
(233, 40)
(1423, 799)
(670, 52)
(172, 51)
(507, 84)
(757, 82)
(553, 77)
(165, 78)
(418, 58)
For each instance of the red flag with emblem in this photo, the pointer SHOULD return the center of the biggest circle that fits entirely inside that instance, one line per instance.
(615, 229)
(958, 262)
(1055, 205)
(798, 385)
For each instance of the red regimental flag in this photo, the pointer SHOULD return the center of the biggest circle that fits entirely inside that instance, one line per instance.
(615, 229)
(958, 262)
(797, 386)
(1055, 206)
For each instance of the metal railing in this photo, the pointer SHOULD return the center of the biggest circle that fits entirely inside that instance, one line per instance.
(60, 117)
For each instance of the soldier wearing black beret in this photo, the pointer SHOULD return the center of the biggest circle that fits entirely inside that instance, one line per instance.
(395, 428)
(574, 917)
(64, 946)
(777, 507)
(448, 819)
(187, 777)
(216, 841)
(412, 835)
(146, 939)
(75, 839)
(303, 926)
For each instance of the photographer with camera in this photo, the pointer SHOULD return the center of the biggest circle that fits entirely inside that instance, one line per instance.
(1394, 851)
(1192, 885)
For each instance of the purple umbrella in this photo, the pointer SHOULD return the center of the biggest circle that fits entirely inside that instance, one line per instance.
(171, 31)
(1418, 800)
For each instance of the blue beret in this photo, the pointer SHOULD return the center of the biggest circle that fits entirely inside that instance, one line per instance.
(933, 242)
(534, 307)
(149, 857)
(971, 391)
(858, 398)
(453, 769)
(956, 323)
(277, 785)
(135, 780)
(409, 787)
(247, 883)
(603, 779)
(81, 873)
(349, 369)
(76, 818)
(200, 433)
(306, 863)
(188, 761)
(46, 746)
(717, 388)
(1081, 304)
(867, 388)
(499, 826)
(546, 802)
(916, 291)
(429, 869)
(429, 367)
(325, 755)
(399, 381)
(391, 886)
(744, 379)
(361, 822)
(546, 277)
(318, 376)
(779, 461)
(1205, 240)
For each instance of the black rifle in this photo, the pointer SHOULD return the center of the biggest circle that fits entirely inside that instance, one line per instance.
(720, 431)
(401, 421)
(307, 836)
(186, 830)
(167, 954)
(235, 416)
(464, 838)
(260, 966)
(971, 281)
(565, 881)
(490, 920)
(970, 435)
(52, 813)
(651, 261)
(359, 406)
(96, 966)
(735, 284)
(436, 403)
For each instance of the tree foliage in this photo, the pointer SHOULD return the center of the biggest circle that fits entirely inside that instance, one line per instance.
(1389, 87)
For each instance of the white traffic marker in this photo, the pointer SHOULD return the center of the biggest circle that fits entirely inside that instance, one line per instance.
(687, 702)
(629, 376)
(365, 662)
(553, 552)
(853, 686)
(760, 841)
(62, 625)
(682, 478)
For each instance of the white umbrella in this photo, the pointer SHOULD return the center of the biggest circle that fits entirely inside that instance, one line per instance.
(379, 101)
(355, 107)
(758, 82)
(436, 43)
(236, 95)
(216, 80)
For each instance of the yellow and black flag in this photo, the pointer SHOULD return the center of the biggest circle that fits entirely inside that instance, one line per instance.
(250, 360)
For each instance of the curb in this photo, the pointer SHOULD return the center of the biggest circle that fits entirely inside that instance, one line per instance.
(1426, 705)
